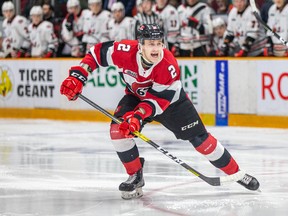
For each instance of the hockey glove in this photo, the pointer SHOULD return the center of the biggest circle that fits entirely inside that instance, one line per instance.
(241, 53)
(192, 22)
(73, 84)
(224, 50)
(132, 121)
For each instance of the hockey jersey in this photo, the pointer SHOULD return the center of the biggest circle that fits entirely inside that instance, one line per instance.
(95, 27)
(43, 39)
(15, 34)
(123, 30)
(169, 20)
(191, 38)
(243, 25)
(278, 21)
(159, 86)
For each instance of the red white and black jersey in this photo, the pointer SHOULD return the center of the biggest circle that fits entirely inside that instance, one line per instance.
(159, 86)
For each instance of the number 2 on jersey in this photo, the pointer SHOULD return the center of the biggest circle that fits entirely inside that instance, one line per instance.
(124, 47)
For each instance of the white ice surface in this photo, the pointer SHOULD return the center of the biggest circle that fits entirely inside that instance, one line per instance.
(62, 168)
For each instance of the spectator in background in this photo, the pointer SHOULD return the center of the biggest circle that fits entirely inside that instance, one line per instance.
(96, 24)
(120, 27)
(219, 28)
(277, 20)
(168, 20)
(221, 6)
(44, 42)
(15, 32)
(72, 29)
(48, 12)
(244, 34)
(196, 28)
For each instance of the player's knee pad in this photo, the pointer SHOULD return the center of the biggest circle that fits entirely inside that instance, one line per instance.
(119, 141)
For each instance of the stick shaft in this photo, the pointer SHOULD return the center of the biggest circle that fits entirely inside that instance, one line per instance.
(214, 181)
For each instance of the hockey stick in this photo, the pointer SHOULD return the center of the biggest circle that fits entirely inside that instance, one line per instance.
(267, 28)
(214, 181)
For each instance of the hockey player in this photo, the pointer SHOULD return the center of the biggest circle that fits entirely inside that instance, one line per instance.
(219, 28)
(120, 27)
(196, 30)
(95, 24)
(168, 20)
(277, 20)
(44, 42)
(15, 29)
(72, 29)
(153, 92)
(244, 31)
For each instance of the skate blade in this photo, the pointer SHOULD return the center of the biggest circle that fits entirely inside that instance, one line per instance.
(127, 195)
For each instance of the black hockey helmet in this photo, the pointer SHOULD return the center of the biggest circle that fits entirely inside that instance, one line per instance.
(149, 32)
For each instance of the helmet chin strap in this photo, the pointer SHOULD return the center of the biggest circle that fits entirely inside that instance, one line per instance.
(145, 62)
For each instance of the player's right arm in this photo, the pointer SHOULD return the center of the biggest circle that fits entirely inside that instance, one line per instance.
(99, 55)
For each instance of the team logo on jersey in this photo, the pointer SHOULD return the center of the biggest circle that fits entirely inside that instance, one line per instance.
(5, 82)
(131, 73)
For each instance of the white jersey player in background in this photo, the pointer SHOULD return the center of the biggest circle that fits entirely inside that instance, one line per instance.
(120, 27)
(196, 28)
(278, 22)
(72, 29)
(219, 28)
(15, 32)
(168, 20)
(244, 31)
(44, 42)
(95, 24)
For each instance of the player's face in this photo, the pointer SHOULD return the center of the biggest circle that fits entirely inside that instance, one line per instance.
(279, 3)
(95, 7)
(151, 50)
(191, 2)
(147, 6)
(73, 10)
(219, 31)
(8, 14)
(240, 5)
(36, 19)
(118, 15)
(161, 3)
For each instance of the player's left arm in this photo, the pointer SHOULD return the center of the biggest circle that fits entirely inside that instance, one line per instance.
(251, 35)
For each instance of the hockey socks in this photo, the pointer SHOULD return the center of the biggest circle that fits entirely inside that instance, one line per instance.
(214, 151)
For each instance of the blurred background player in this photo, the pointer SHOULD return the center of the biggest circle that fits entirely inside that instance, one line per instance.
(219, 28)
(278, 22)
(44, 42)
(146, 15)
(120, 27)
(243, 32)
(15, 32)
(72, 29)
(95, 25)
(168, 20)
(129, 6)
(196, 30)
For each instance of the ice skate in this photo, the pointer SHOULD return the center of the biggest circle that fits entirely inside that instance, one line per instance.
(132, 187)
(249, 182)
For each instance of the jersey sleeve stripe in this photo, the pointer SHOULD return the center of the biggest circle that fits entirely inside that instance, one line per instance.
(103, 52)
